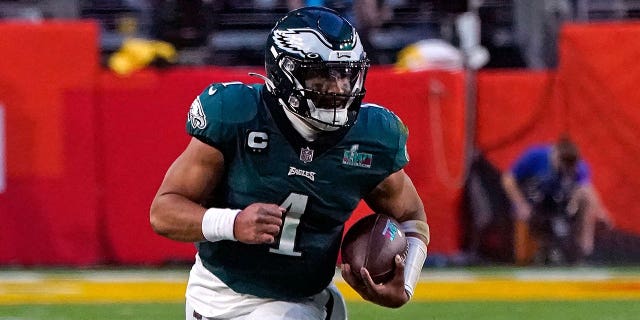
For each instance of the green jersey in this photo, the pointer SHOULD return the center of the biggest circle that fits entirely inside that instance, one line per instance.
(319, 183)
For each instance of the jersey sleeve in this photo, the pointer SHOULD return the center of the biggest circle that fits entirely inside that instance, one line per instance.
(402, 154)
(216, 115)
(387, 130)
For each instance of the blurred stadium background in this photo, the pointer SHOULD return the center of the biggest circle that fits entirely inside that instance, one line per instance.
(93, 93)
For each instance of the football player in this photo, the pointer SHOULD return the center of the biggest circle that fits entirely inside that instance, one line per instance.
(274, 170)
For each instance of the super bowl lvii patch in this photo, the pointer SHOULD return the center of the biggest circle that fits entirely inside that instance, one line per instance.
(354, 158)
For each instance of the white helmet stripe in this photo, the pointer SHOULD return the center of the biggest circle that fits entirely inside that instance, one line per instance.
(274, 52)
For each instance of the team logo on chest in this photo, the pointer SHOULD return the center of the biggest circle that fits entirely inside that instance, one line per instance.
(302, 173)
(354, 158)
(306, 155)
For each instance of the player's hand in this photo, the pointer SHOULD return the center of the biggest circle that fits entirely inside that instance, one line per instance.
(390, 294)
(258, 223)
(607, 222)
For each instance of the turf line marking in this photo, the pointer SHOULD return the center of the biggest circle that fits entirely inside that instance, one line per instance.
(121, 287)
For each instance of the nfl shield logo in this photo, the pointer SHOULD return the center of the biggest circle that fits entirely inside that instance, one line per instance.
(306, 155)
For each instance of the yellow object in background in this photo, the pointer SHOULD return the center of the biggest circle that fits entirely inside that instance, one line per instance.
(136, 54)
(165, 51)
(430, 54)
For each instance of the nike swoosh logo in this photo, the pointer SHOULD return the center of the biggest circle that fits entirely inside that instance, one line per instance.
(212, 91)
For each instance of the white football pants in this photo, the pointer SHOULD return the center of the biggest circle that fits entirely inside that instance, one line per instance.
(208, 298)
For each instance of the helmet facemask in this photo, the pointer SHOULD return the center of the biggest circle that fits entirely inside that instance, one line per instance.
(326, 95)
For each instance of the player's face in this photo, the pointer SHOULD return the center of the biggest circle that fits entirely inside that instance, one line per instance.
(330, 81)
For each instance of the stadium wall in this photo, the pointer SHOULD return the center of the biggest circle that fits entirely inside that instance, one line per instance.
(86, 149)
(592, 95)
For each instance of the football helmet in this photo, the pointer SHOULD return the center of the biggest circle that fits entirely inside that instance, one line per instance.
(311, 46)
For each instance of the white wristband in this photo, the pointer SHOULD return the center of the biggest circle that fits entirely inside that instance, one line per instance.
(217, 224)
(416, 226)
(416, 255)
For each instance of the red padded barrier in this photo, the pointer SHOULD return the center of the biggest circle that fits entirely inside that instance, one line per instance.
(599, 85)
(515, 109)
(49, 208)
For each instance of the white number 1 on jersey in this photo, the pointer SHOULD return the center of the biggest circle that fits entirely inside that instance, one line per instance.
(295, 204)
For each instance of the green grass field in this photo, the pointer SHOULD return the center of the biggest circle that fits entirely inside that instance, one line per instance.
(488, 293)
(477, 310)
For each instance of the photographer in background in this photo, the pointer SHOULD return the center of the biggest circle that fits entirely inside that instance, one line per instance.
(552, 197)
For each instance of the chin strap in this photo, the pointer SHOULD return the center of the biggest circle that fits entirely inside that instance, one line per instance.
(305, 130)
(416, 253)
(267, 82)
(308, 132)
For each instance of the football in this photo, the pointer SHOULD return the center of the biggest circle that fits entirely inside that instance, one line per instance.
(373, 242)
